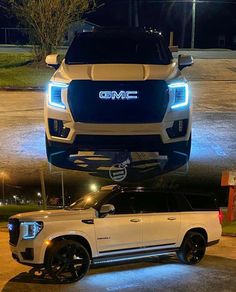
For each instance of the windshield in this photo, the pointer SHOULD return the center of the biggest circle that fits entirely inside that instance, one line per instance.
(90, 200)
(100, 48)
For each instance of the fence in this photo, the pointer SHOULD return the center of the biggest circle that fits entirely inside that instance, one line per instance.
(14, 35)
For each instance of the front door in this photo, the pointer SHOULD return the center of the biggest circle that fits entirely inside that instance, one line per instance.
(120, 231)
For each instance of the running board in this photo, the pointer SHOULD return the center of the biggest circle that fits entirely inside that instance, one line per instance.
(131, 256)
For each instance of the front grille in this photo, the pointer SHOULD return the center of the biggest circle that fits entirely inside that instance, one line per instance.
(86, 106)
(14, 231)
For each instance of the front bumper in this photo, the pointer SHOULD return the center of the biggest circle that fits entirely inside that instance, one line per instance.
(142, 143)
(29, 252)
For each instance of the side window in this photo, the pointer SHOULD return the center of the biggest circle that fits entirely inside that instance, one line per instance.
(150, 202)
(201, 202)
(172, 204)
(122, 204)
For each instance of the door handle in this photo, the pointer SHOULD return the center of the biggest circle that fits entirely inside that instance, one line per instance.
(171, 218)
(135, 220)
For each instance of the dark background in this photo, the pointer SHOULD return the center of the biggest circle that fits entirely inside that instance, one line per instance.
(214, 19)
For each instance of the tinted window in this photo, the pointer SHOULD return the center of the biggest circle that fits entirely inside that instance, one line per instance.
(147, 202)
(201, 202)
(172, 203)
(122, 204)
(102, 48)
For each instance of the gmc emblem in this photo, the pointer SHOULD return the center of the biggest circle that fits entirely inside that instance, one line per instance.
(114, 95)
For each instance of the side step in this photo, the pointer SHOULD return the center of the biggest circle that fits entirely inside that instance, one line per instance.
(131, 256)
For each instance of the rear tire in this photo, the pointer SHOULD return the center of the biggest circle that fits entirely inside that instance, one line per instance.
(192, 249)
(67, 261)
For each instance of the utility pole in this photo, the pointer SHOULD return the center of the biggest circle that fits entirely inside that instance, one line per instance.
(43, 189)
(133, 13)
(3, 189)
(130, 14)
(193, 24)
(62, 190)
(136, 14)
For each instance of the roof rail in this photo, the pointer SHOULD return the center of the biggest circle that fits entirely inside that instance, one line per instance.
(109, 188)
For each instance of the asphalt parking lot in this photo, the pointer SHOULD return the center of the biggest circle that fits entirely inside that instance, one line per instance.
(217, 272)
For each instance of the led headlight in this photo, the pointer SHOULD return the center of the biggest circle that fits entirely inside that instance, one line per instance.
(31, 229)
(179, 94)
(55, 94)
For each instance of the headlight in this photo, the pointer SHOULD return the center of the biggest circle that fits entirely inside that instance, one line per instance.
(31, 229)
(55, 94)
(179, 94)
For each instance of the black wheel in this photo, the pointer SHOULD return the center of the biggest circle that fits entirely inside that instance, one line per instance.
(192, 249)
(67, 261)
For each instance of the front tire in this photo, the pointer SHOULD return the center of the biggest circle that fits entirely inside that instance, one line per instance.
(67, 261)
(192, 249)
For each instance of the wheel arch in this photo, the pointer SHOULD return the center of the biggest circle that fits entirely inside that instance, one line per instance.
(78, 238)
(200, 230)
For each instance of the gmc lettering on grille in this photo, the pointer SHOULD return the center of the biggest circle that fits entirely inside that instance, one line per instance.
(121, 95)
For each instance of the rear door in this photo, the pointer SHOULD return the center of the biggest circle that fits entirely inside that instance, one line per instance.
(160, 219)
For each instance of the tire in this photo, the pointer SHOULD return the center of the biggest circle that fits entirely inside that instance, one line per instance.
(67, 261)
(192, 249)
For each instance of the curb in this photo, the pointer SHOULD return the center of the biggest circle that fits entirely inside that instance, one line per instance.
(229, 234)
(22, 88)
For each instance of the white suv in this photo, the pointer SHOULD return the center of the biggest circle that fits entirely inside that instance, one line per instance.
(115, 224)
(118, 91)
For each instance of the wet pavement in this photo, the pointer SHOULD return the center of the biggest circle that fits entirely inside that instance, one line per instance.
(217, 272)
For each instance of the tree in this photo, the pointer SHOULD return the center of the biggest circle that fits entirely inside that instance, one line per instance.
(48, 20)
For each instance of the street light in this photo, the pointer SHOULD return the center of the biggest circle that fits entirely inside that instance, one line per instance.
(93, 187)
(15, 197)
(39, 195)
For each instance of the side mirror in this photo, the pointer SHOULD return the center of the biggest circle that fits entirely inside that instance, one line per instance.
(107, 209)
(185, 61)
(53, 61)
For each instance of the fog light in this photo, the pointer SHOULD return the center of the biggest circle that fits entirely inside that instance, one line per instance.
(179, 129)
(58, 129)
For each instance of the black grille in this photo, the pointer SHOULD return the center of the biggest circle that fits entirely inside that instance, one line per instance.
(14, 231)
(86, 106)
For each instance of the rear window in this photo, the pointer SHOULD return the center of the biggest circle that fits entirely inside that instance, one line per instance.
(202, 202)
(106, 48)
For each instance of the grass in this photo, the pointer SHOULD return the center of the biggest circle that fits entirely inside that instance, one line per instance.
(9, 210)
(19, 70)
(228, 227)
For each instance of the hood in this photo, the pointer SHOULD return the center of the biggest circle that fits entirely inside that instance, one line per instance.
(56, 215)
(115, 72)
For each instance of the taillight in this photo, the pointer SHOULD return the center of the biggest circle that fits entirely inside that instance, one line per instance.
(221, 216)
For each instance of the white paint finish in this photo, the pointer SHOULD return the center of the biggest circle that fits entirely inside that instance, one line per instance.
(118, 231)
(160, 228)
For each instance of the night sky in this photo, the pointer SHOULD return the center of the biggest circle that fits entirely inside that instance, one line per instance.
(213, 18)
